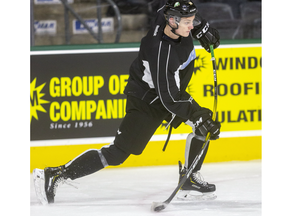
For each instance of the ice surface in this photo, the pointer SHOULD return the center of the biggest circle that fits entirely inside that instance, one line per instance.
(131, 192)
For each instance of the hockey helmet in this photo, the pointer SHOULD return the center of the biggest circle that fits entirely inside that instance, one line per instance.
(180, 8)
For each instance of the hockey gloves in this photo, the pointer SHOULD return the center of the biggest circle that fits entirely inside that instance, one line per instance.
(206, 35)
(203, 122)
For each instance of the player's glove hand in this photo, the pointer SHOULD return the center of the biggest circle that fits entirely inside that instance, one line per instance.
(206, 35)
(203, 122)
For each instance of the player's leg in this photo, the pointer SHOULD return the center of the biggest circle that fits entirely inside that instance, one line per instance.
(135, 131)
(94, 160)
(194, 143)
(84, 164)
(195, 187)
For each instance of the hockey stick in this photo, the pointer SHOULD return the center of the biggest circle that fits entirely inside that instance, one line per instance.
(158, 206)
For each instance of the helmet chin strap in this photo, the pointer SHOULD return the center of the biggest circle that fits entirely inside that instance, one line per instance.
(173, 30)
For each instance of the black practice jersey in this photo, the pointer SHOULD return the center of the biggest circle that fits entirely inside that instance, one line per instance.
(163, 70)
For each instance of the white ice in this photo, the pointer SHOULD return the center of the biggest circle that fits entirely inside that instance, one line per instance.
(131, 191)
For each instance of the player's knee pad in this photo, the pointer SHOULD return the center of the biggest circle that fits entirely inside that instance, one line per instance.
(195, 136)
(113, 155)
(194, 142)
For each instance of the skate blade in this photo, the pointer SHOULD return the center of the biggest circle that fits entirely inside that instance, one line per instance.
(195, 195)
(39, 185)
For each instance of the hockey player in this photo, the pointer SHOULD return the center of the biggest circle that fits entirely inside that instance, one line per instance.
(155, 92)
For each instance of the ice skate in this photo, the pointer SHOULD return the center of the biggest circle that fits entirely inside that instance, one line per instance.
(47, 181)
(195, 188)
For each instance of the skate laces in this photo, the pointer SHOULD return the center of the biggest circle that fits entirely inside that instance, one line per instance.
(60, 181)
(199, 178)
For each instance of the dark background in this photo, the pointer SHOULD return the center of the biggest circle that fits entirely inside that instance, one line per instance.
(44, 67)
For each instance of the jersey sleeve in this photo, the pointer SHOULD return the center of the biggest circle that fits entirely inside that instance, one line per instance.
(167, 80)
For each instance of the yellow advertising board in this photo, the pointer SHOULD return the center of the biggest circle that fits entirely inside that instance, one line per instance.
(239, 70)
(239, 87)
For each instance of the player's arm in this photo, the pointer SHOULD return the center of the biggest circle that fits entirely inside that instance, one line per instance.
(166, 79)
(182, 105)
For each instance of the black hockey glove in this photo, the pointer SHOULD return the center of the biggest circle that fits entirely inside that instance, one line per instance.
(206, 35)
(203, 122)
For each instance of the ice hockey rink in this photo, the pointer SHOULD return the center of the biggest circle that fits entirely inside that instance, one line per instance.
(131, 191)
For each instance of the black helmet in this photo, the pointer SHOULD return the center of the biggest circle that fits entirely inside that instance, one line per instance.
(180, 8)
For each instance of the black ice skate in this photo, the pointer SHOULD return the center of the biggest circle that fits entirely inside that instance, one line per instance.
(195, 188)
(54, 176)
(47, 181)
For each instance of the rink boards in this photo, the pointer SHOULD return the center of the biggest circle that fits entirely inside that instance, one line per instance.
(77, 103)
(224, 149)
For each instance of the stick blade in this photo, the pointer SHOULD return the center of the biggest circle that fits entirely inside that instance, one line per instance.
(158, 206)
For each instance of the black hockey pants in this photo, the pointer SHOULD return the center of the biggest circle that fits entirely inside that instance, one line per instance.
(135, 131)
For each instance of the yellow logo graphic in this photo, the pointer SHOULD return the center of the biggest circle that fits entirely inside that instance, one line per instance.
(36, 100)
(199, 65)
